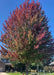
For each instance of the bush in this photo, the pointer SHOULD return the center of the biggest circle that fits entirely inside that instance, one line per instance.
(11, 70)
(48, 69)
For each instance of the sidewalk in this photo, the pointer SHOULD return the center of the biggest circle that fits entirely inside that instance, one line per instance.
(3, 73)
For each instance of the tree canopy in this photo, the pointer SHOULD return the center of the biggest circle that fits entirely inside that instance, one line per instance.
(26, 36)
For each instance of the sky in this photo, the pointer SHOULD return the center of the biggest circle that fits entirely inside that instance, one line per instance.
(7, 6)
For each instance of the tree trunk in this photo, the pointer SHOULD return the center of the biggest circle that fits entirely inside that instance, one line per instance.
(27, 65)
(38, 68)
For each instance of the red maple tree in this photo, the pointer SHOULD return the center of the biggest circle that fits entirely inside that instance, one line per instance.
(26, 36)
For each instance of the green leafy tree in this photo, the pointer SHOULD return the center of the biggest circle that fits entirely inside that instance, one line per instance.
(26, 36)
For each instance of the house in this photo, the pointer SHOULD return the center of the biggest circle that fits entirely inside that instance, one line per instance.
(4, 64)
(52, 65)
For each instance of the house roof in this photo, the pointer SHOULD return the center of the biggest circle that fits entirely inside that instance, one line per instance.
(52, 63)
(1, 62)
(6, 63)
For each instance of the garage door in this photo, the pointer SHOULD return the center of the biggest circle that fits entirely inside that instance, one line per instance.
(1, 69)
(2, 66)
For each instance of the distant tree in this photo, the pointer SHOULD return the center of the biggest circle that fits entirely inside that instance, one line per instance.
(18, 66)
(26, 36)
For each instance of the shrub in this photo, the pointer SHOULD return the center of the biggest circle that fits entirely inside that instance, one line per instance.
(48, 69)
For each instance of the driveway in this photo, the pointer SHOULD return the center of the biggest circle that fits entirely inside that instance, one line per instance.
(3, 73)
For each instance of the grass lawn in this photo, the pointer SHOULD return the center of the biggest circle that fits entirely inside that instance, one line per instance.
(18, 73)
(47, 74)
